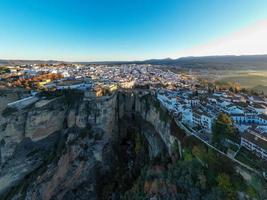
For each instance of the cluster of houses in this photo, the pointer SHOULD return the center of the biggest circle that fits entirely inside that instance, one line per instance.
(125, 75)
(254, 139)
(198, 110)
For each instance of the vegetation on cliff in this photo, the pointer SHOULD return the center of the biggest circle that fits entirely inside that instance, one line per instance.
(192, 171)
(200, 174)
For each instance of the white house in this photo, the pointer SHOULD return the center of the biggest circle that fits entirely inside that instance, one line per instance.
(223, 103)
(192, 101)
(202, 119)
(262, 119)
(249, 118)
(187, 116)
(206, 121)
(255, 141)
(259, 108)
(232, 109)
(244, 118)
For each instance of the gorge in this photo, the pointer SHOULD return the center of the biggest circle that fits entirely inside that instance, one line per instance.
(60, 149)
(72, 146)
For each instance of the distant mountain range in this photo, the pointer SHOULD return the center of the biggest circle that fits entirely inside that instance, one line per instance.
(210, 62)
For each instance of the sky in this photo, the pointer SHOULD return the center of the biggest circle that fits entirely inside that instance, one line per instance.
(106, 30)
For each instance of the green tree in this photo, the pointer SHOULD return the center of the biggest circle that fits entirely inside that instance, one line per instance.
(251, 192)
(223, 129)
(200, 153)
(214, 194)
(225, 185)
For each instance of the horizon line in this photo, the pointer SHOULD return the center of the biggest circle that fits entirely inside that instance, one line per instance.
(122, 61)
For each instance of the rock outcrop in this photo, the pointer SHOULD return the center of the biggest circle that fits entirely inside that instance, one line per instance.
(55, 150)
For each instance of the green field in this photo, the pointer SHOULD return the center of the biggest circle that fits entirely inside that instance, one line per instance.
(255, 80)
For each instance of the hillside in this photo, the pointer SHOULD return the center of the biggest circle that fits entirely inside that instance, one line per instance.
(207, 62)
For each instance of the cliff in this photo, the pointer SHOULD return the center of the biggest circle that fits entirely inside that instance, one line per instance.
(63, 150)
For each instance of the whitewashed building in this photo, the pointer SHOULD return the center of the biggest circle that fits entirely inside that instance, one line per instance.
(256, 141)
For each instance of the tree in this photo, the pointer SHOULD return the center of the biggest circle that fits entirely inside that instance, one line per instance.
(244, 90)
(215, 194)
(225, 185)
(251, 192)
(200, 153)
(223, 129)
(209, 91)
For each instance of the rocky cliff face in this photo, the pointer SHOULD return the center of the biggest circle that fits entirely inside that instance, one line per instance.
(150, 110)
(54, 150)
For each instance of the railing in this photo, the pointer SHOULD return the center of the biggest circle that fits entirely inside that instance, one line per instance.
(188, 132)
(192, 132)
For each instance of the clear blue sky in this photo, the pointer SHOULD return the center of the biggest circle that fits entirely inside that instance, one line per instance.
(89, 30)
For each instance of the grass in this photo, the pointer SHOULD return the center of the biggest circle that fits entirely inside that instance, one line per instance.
(247, 80)
(255, 80)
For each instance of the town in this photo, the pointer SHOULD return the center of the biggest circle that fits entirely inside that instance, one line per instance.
(240, 117)
(200, 110)
(133, 100)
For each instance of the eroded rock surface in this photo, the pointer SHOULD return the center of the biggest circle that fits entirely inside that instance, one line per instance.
(88, 150)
